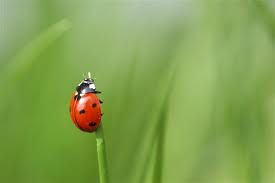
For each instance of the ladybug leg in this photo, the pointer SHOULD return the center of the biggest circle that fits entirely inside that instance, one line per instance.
(77, 97)
(98, 92)
(100, 101)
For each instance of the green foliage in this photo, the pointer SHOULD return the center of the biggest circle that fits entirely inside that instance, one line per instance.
(187, 87)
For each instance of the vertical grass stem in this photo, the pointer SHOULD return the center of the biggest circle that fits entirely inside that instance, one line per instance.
(101, 154)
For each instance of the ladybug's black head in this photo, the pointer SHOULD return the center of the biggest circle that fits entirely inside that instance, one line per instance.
(86, 86)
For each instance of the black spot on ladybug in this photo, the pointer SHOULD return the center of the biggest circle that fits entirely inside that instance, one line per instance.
(82, 111)
(94, 105)
(100, 101)
(92, 124)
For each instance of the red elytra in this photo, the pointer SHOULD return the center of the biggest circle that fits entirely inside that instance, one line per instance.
(86, 112)
(85, 109)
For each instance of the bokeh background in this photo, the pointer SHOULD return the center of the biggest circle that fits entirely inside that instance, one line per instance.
(188, 90)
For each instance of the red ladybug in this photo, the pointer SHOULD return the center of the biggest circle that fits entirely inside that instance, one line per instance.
(85, 109)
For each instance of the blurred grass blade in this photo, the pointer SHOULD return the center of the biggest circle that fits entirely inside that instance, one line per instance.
(157, 135)
(267, 15)
(160, 141)
(24, 59)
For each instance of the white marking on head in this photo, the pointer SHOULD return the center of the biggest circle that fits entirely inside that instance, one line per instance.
(76, 93)
(81, 94)
(92, 86)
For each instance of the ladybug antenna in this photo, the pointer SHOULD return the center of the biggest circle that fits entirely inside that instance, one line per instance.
(89, 75)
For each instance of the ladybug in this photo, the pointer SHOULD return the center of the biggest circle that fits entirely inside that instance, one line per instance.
(85, 109)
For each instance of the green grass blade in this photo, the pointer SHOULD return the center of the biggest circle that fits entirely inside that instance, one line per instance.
(101, 153)
(25, 58)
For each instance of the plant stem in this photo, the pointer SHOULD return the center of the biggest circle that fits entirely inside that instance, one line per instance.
(101, 155)
(160, 141)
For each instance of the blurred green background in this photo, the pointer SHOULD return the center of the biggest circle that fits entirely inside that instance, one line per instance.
(188, 90)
